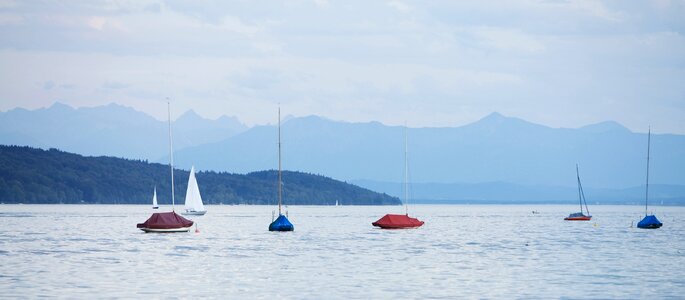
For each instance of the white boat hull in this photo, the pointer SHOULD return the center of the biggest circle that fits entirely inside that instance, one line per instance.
(181, 229)
(194, 213)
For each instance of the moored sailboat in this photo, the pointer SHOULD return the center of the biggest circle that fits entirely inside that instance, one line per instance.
(167, 221)
(193, 204)
(281, 223)
(154, 199)
(579, 216)
(396, 221)
(649, 221)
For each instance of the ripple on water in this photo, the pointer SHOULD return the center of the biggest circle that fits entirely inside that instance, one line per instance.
(462, 252)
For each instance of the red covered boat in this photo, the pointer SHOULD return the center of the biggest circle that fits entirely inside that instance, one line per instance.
(579, 216)
(391, 221)
(166, 222)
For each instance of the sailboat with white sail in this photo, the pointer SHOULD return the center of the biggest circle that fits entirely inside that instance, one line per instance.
(154, 199)
(281, 223)
(167, 221)
(193, 205)
(649, 221)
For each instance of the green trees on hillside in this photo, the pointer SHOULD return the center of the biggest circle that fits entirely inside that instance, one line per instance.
(29, 175)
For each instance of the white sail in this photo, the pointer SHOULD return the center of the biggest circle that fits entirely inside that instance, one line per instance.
(154, 199)
(193, 198)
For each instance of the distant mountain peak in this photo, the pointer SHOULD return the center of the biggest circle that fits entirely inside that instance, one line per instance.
(190, 114)
(60, 106)
(495, 117)
(495, 120)
(606, 126)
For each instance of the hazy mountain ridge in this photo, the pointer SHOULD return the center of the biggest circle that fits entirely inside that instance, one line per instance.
(112, 130)
(494, 149)
(502, 192)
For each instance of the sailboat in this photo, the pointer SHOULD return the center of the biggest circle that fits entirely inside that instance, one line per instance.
(281, 223)
(392, 221)
(649, 221)
(167, 221)
(154, 199)
(579, 216)
(194, 204)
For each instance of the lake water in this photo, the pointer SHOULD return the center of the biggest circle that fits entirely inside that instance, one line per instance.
(463, 251)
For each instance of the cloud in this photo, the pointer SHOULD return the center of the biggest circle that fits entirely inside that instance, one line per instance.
(597, 9)
(96, 22)
(11, 19)
(113, 85)
(506, 39)
(400, 6)
(48, 85)
(443, 61)
(322, 3)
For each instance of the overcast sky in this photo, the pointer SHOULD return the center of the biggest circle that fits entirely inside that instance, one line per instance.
(429, 63)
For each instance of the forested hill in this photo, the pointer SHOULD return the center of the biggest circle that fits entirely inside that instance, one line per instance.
(29, 175)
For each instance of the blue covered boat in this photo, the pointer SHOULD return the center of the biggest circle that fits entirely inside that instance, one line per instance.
(281, 223)
(649, 221)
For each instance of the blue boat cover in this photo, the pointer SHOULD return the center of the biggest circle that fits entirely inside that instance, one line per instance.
(649, 222)
(575, 215)
(281, 224)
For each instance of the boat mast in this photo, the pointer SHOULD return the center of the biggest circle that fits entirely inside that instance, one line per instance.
(280, 183)
(649, 135)
(171, 155)
(580, 197)
(581, 194)
(406, 179)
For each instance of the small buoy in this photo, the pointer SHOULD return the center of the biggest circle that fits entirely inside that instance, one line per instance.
(595, 225)
(196, 230)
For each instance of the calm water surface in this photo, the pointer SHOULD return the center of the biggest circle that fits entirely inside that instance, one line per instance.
(463, 251)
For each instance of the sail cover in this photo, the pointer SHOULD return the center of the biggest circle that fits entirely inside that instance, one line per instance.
(281, 224)
(397, 221)
(649, 222)
(167, 220)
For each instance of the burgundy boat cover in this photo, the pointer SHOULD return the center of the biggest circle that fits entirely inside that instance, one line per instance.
(166, 220)
(397, 221)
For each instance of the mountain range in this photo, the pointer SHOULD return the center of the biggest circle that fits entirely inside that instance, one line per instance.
(112, 130)
(494, 153)
(493, 149)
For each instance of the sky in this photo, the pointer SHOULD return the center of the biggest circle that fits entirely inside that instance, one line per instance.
(423, 63)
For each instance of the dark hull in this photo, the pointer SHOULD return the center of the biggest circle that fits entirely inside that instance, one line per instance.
(396, 226)
(650, 226)
(578, 218)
